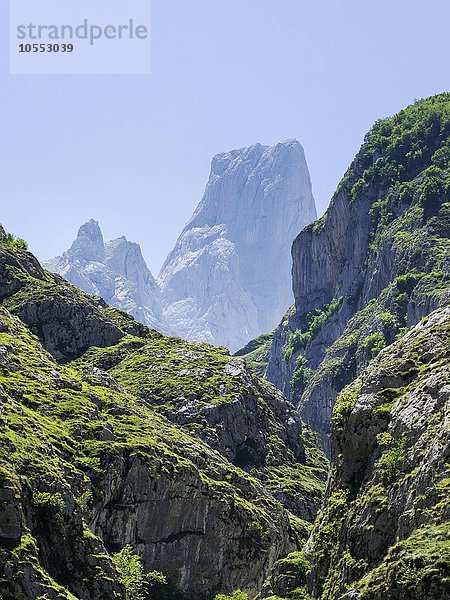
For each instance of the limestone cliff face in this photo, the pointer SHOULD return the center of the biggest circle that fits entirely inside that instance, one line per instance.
(115, 271)
(202, 541)
(228, 277)
(373, 265)
(384, 530)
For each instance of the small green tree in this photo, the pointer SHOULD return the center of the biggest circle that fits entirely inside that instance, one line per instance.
(141, 586)
(158, 588)
(11, 240)
(20, 244)
(131, 572)
(375, 342)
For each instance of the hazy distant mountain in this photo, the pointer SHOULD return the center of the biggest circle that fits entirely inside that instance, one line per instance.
(116, 271)
(228, 277)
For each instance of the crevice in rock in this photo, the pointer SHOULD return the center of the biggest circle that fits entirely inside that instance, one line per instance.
(175, 537)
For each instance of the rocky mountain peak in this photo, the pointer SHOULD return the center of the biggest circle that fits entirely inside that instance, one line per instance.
(264, 173)
(125, 257)
(238, 244)
(115, 271)
(89, 244)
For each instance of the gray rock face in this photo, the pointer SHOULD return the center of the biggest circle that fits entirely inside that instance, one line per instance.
(241, 430)
(183, 506)
(228, 278)
(115, 271)
(385, 527)
(168, 519)
(372, 266)
(89, 245)
(217, 399)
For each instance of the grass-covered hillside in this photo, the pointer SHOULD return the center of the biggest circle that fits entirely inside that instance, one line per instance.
(98, 468)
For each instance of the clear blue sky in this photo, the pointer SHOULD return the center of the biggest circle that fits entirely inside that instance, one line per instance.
(134, 151)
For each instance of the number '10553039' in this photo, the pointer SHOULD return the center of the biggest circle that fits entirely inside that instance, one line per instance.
(33, 48)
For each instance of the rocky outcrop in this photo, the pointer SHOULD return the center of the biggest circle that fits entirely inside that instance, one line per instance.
(90, 470)
(115, 271)
(228, 277)
(384, 531)
(66, 320)
(215, 398)
(372, 266)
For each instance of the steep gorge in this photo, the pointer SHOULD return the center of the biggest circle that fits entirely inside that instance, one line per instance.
(112, 434)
